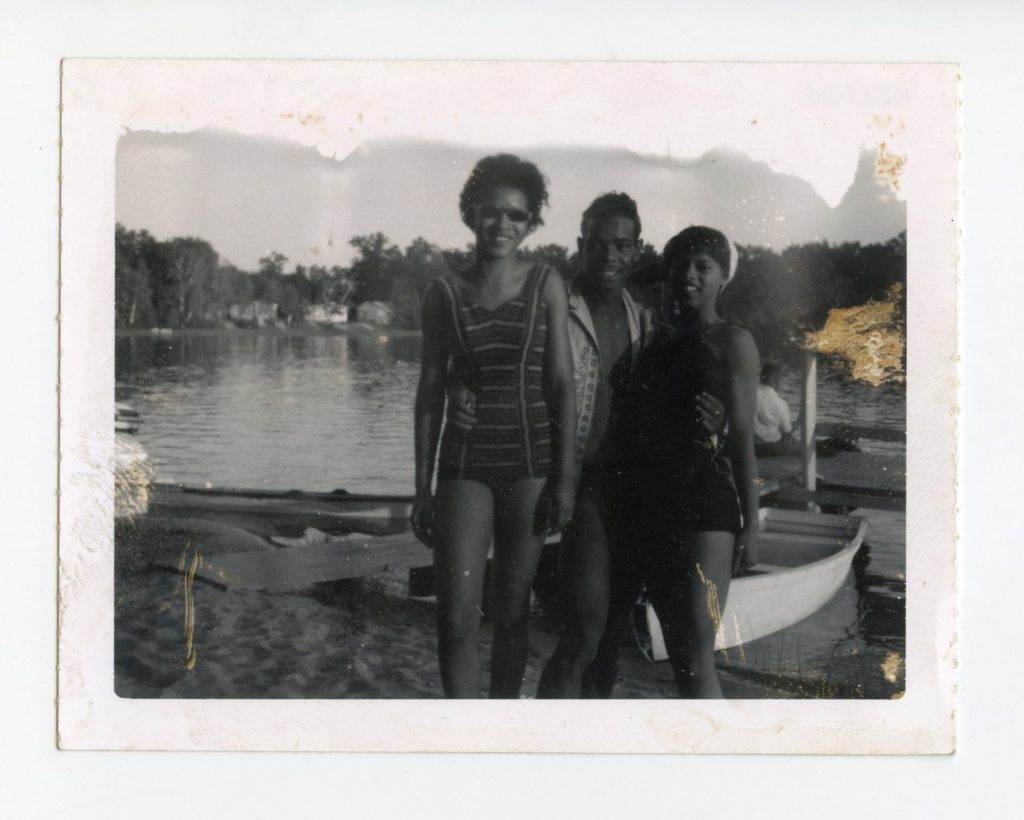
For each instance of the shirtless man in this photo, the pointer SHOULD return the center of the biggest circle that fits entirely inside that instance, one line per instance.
(607, 331)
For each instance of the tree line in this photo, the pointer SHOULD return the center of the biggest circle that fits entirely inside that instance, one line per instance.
(182, 282)
(780, 297)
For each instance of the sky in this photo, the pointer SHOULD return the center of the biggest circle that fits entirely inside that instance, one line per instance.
(299, 158)
(251, 195)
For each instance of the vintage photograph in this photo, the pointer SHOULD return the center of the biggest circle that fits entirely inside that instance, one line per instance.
(516, 381)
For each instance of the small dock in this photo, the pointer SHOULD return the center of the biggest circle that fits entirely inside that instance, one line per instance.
(848, 480)
(844, 480)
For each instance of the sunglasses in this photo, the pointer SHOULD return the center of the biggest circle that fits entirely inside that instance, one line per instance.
(494, 212)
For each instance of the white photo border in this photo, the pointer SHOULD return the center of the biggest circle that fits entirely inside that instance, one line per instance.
(102, 98)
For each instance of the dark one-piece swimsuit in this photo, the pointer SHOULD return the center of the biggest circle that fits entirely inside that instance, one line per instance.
(682, 480)
(499, 354)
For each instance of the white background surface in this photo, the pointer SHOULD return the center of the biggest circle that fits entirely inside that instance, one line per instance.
(36, 780)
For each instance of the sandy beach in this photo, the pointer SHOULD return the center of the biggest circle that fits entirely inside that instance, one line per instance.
(178, 636)
(352, 639)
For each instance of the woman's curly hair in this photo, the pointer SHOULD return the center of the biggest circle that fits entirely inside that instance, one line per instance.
(504, 170)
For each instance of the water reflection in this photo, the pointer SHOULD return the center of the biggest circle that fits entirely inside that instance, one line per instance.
(249, 409)
(254, 409)
(841, 399)
(339, 404)
(881, 607)
(373, 350)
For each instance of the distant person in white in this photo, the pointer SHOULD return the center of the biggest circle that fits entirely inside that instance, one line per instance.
(773, 430)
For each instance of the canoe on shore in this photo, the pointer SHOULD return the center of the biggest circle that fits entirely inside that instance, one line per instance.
(805, 556)
(331, 512)
(269, 512)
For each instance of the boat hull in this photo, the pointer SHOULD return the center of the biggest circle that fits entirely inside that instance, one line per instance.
(806, 556)
(276, 512)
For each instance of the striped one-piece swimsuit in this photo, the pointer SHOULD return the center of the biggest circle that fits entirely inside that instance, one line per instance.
(499, 354)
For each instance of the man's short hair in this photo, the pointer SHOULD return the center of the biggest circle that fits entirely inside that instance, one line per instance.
(609, 205)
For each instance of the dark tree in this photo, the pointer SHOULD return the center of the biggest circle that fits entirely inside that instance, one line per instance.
(292, 306)
(375, 268)
(192, 263)
(779, 297)
(456, 259)
(556, 256)
(228, 286)
(420, 264)
(133, 296)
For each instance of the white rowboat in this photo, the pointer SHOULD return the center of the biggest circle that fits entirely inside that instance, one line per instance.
(804, 559)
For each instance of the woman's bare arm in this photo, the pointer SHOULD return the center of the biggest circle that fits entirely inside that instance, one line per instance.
(429, 411)
(739, 353)
(561, 397)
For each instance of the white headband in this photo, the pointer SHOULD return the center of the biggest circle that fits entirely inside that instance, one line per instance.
(733, 260)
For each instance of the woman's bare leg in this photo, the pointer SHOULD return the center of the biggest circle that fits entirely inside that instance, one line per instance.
(463, 524)
(584, 575)
(516, 553)
(690, 610)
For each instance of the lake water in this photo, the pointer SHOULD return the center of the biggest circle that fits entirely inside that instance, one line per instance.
(309, 412)
(319, 412)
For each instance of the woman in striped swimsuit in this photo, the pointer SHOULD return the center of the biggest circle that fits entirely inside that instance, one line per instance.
(502, 326)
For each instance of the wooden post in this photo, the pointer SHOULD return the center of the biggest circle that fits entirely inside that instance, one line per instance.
(808, 421)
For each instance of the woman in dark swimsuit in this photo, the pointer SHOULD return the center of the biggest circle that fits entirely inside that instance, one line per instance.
(502, 325)
(694, 499)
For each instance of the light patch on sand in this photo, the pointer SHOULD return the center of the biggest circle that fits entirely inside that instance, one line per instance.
(191, 657)
(133, 475)
(870, 337)
(891, 666)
